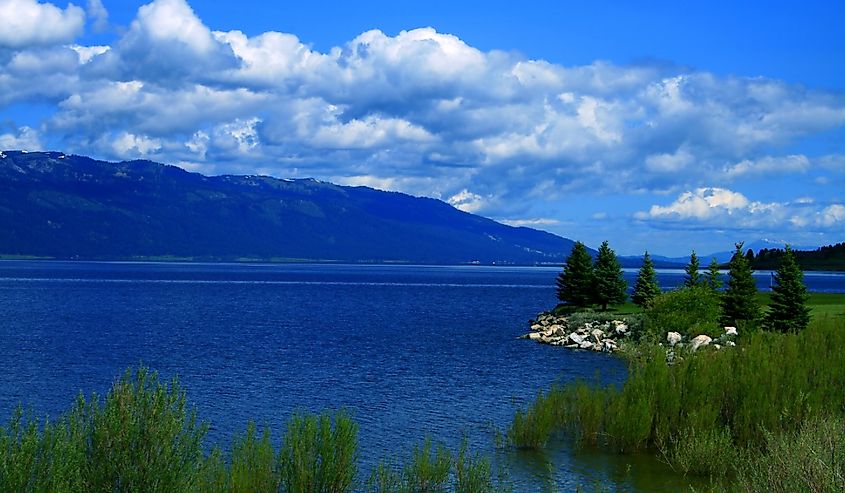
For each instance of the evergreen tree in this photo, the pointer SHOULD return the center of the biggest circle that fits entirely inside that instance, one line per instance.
(739, 301)
(714, 277)
(693, 278)
(749, 255)
(788, 311)
(646, 287)
(575, 283)
(610, 286)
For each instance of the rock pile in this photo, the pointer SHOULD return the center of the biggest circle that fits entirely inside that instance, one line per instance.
(675, 341)
(592, 336)
(604, 336)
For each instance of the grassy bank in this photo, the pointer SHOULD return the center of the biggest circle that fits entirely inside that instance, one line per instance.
(143, 437)
(727, 413)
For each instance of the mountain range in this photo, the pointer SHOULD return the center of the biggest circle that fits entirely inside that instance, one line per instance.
(54, 205)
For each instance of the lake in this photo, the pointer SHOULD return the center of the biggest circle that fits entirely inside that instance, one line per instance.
(411, 351)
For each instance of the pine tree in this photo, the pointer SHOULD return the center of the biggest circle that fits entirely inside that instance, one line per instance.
(739, 301)
(646, 287)
(714, 277)
(788, 311)
(575, 283)
(693, 278)
(610, 286)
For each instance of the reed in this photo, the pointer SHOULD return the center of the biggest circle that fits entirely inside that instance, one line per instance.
(705, 409)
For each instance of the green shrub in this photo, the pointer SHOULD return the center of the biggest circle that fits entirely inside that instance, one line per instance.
(319, 453)
(690, 311)
(254, 467)
(33, 459)
(428, 470)
(143, 438)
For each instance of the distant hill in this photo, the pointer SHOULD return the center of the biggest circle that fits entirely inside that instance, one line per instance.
(61, 206)
(660, 262)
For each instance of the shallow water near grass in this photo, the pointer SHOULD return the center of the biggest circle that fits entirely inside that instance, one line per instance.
(409, 350)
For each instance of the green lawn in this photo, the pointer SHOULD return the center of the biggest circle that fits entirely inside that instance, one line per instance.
(821, 304)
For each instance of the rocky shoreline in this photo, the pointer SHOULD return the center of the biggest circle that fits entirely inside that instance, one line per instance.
(557, 330)
(606, 336)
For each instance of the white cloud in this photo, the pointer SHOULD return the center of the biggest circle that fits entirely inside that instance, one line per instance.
(702, 203)
(29, 23)
(368, 133)
(129, 145)
(98, 14)
(87, 53)
(531, 223)
(422, 112)
(239, 135)
(673, 162)
(832, 215)
(171, 23)
(770, 165)
(467, 201)
(25, 139)
(198, 144)
(719, 208)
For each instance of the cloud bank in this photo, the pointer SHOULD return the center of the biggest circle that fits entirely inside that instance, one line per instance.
(421, 111)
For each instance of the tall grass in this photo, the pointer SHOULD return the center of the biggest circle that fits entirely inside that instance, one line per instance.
(143, 437)
(436, 469)
(706, 407)
(809, 459)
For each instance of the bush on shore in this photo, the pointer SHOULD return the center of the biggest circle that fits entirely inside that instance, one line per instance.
(143, 437)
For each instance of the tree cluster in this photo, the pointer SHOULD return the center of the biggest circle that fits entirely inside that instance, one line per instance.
(585, 283)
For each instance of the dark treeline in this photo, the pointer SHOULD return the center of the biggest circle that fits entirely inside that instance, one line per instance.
(831, 257)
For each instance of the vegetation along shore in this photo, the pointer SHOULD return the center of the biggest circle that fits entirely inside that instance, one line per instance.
(761, 409)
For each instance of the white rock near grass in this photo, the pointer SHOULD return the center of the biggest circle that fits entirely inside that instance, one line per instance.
(593, 336)
(673, 338)
(558, 330)
(698, 341)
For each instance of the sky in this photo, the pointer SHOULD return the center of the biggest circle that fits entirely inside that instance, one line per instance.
(660, 126)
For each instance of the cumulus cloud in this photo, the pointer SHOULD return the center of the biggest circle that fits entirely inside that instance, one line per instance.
(832, 215)
(702, 203)
(128, 145)
(467, 201)
(24, 139)
(770, 165)
(166, 43)
(98, 14)
(28, 23)
(721, 208)
(532, 223)
(420, 111)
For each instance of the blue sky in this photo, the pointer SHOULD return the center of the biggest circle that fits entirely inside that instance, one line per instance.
(664, 126)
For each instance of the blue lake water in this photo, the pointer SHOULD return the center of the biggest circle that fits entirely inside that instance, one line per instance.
(411, 351)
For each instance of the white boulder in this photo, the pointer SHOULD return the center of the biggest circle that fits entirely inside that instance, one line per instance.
(673, 338)
(699, 341)
(730, 331)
